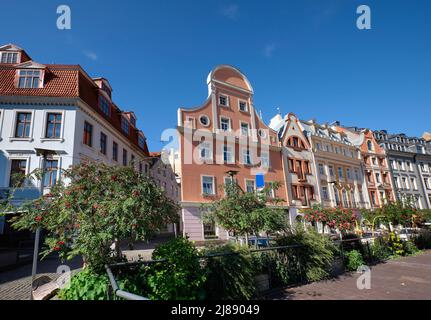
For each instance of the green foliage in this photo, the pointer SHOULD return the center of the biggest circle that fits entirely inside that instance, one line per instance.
(86, 285)
(379, 249)
(311, 261)
(181, 276)
(409, 248)
(99, 205)
(354, 260)
(423, 240)
(229, 277)
(395, 245)
(245, 213)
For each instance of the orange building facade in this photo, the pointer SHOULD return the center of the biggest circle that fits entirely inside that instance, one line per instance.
(224, 136)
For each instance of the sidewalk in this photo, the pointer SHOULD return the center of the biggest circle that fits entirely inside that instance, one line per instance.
(406, 278)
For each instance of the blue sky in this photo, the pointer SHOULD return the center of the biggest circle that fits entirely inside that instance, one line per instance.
(303, 56)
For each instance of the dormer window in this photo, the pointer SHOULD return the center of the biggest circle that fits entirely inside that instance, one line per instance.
(141, 141)
(104, 105)
(125, 125)
(133, 120)
(9, 57)
(29, 79)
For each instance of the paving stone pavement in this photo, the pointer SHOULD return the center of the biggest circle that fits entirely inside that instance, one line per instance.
(407, 278)
(15, 284)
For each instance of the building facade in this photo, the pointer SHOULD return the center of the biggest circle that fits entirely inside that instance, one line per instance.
(409, 161)
(337, 162)
(297, 158)
(375, 164)
(222, 138)
(62, 109)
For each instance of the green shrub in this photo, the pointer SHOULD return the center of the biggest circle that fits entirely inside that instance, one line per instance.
(395, 245)
(379, 249)
(312, 261)
(180, 277)
(231, 276)
(409, 248)
(354, 260)
(423, 240)
(86, 285)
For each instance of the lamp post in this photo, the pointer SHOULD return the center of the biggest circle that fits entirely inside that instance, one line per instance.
(43, 153)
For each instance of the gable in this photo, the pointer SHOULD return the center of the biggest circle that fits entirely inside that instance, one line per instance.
(292, 129)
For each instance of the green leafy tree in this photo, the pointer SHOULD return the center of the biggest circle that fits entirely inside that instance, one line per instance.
(246, 213)
(94, 206)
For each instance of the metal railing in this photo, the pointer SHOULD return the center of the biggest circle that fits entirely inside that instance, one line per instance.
(117, 292)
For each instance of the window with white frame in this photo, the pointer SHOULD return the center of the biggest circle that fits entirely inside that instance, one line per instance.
(190, 122)
(321, 169)
(29, 79)
(405, 183)
(50, 175)
(244, 129)
(23, 125)
(228, 154)
(369, 145)
(378, 178)
(356, 174)
(208, 185)
(325, 194)
(125, 126)
(246, 156)
(331, 171)
(225, 124)
(348, 173)
(340, 172)
(264, 158)
(205, 151)
(397, 183)
(428, 183)
(242, 106)
(9, 57)
(249, 186)
(53, 125)
(223, 100)
(17, 172)
(413, 183)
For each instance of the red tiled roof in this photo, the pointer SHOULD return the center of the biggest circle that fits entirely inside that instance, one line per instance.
(67, 81)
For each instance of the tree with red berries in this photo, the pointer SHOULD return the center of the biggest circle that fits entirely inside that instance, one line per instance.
(94, 206)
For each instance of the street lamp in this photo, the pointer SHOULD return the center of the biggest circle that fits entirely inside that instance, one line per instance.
(43, 153)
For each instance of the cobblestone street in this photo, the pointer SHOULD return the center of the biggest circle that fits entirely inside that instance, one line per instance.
(401, 279)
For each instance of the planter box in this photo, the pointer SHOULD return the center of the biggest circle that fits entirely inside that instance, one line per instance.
(262, 282)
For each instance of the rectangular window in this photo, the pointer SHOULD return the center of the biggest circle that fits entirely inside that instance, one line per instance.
(264, 158)
(227, 154)
(223, 101)
(349, 176)
(208, 185)
(53, 126)
(125, 125)
(244, 129)
(205, 152)
(17, 172)
(29, 79)
(243, 106)
(378, 178)
(340, 172)
(103, 142)
(356, 175)
(225, 124)
(50, 176)
(104, 105)
(88, 134)
(321, 169)
(114, 151)
(9, 57)
(413, 183)
(249, 186)
(246, 158)
(325, 194)
(124, 157)
(141, 141)
(23, 125)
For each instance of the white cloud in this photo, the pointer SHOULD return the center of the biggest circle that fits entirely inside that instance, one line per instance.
(91, 55)
(230, 11)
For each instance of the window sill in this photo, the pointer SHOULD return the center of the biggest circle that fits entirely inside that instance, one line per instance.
(20, 139)
(51, 140)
